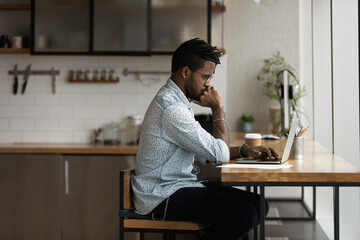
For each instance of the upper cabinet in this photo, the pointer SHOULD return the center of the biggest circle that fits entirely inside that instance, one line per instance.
(15, 21)
(61, 26)
(117, 27)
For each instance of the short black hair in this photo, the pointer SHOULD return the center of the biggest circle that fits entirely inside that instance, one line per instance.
(193, 54)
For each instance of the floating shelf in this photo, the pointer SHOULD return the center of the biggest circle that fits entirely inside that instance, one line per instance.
(218, 8)
(14, 50)
(94, 81)
(15, 6)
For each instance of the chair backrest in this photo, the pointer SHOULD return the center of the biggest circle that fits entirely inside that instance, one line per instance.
(125, 189)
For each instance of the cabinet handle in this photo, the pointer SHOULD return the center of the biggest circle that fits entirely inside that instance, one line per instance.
(66, 177)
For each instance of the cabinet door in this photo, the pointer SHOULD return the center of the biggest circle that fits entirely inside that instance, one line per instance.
(61, 26)
(30, 197)
(121, 25)
(173, 22)
(91, 196)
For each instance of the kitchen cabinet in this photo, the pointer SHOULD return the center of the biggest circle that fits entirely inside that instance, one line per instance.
(15, 21)
(30, 203)
(60, 196)
(117, 27)
(91, 196)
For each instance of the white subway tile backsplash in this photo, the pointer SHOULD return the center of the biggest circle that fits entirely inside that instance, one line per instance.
(60, 112)
(35, 112)
(4, 98)
(98, 99)
(71, 125)
(6, 85)
(22, 124)
(113, 112)
(86, 112)
(71, 114)
(35, 137)
(47, 99)
(59, 137)
(10, 111)
(47, 124)
(72, 99)
(22, 99)
(10, 136)
(83, 137)
(4, 124)
(95, 124)
(124, 99)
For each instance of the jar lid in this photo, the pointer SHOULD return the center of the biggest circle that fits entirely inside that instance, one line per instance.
(253, 136)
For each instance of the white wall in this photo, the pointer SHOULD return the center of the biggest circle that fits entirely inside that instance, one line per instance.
(252, 33)
(70, 115)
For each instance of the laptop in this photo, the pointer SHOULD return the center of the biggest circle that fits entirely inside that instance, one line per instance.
(286, 151)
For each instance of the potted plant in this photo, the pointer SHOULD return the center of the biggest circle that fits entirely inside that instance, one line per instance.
(270, 76)
(247, 122)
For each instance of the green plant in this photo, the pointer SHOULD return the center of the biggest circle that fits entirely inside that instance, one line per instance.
(247, 118)
(270, 77)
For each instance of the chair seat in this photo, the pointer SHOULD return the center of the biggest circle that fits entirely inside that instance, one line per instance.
(134, 220)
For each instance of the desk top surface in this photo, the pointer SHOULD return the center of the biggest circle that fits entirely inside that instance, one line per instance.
(318, 165)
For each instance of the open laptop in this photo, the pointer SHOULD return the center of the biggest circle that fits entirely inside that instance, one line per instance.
(286, 152)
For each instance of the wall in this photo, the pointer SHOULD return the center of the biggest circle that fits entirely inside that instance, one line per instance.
(70, 115)
(252, 33)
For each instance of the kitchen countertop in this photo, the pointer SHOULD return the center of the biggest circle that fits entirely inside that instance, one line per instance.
(237, 138)
(66, 148)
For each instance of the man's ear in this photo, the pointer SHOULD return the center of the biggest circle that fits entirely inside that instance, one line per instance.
(185, 72)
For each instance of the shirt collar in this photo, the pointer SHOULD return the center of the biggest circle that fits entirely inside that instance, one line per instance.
(173, 87)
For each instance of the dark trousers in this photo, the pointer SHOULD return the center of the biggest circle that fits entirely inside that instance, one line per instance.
(231, 212)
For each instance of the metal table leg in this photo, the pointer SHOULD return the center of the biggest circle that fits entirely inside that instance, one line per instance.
(262, 212)
(336, 213)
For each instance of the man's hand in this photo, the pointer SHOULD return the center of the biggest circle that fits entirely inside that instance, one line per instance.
(209, 98)
(260, 152)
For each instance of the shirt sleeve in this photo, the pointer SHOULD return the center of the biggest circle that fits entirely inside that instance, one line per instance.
(181, 128)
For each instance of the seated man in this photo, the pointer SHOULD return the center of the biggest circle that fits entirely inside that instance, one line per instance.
(165, 184)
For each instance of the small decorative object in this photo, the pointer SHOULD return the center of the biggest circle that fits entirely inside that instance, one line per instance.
(271, 77)
(247, 122)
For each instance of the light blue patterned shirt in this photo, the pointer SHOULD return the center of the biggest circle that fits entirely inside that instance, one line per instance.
(170, 140)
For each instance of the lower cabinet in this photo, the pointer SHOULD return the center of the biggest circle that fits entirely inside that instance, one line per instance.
(91, 196)
(61, 197)
(30, 202)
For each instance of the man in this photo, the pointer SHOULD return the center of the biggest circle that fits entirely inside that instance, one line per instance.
(165, 184)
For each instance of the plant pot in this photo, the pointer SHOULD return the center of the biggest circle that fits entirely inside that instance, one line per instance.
(247, 126)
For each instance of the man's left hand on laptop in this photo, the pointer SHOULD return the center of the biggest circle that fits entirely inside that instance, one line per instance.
(260, 152)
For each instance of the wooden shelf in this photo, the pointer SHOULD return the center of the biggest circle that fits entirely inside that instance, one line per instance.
(15, 6)
(14, 50)
(218, 8)
(116, 80)
(222, 50)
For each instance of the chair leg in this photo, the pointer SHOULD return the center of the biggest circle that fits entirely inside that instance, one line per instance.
(142, 236)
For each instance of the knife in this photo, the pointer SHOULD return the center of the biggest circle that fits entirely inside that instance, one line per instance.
(53, 80)
(16, 82)
(26, 76)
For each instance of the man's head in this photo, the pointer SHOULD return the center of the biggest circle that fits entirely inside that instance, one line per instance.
(193, 54)
(193, 65)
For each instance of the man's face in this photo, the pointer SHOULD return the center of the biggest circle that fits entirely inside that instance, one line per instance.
(199, 81)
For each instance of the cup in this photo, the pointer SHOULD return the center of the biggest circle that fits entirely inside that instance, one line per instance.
(253, 139)
(297, 149)
(4, 41)
(16, 42)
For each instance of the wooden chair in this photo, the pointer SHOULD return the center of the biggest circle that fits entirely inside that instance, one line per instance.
(132, 222)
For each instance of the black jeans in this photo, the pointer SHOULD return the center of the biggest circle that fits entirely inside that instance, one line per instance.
(231, 212)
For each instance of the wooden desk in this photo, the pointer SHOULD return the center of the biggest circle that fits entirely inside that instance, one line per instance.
(319, 168)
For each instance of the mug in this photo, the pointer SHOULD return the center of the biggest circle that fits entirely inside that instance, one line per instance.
(4, 41)
(16, 42)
